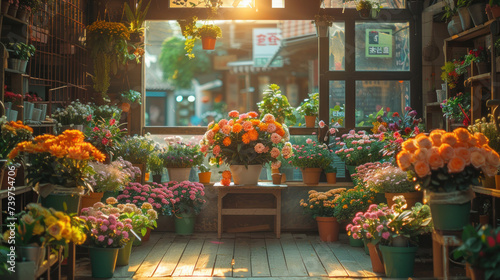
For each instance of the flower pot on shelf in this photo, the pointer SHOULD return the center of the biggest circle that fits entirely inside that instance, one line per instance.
(13, 64)
(204, 177)
(208, 43)
(22, 13)
(276, 178)
(328, 228)
(244, 176)
(88, 200)
(33, 253)
(465, 20)
(410, 197)
(375, 258)
(310, 121)
(62, 199)
(184, 223)
(178, 174)
(331, 178)
(451, 210)
(125, 107)
(103, 261)
(454, 26)
(322, 29)
(477, 13)
(310, 176)
(28, 110)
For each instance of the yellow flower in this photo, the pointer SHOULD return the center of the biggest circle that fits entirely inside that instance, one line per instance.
(56, 230)
(50, 220)
(38, 229)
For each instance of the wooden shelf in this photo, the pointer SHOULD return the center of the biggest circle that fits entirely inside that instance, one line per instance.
(486, 191)
(433, 104)
(18, 191)
(478, 78)
(8, 70)
(472, 33)
(13, 20)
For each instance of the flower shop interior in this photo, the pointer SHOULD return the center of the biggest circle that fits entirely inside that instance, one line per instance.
(280, 139)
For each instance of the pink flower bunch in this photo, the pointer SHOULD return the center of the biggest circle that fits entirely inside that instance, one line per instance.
(188, 197)
(371, 225)
(311, 155)
(158, 195)
(106, 231)
(365, 170)
(356, 148)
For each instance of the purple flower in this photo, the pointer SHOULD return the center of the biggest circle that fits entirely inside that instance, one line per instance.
(412, 113)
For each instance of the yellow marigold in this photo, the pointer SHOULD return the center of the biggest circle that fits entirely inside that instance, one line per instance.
(227, 141)
(255, 122)
(77, 153)
(215, 128)
(345, 206)
(245, 138)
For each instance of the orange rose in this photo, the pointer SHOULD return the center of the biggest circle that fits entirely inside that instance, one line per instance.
(462, 134)
(489, 170)
(446, 152)
(422, 169)
(456, 165)
(481, 139)
(477, 159)
(460, 144)
(435, 160)
(423, 141)
(435, 136)
(409, 145)
(493, 159)
(420, 155)
(463, 153)
(449, 138)
(403, 159)
(473, 142)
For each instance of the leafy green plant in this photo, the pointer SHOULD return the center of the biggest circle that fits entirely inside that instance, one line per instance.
(131, 96)
(135, 15)
(449, 12)
(273, 102)
(310, 106)
(76, 113)
(136, 149)
(457, 107)
(203, 168)
(22, 51)
(209, 30)
(481, 249)
(182, 155)
(106, 112)
(155, 163)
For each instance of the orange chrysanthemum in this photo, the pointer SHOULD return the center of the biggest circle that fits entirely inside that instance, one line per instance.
(245, 138)
(280, 131)
(227, 141)
(252, 114)
(226, 174)
(215, 128)
(237, 128)
(253, 134)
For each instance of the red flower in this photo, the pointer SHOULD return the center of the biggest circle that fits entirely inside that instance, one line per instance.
(104, 141)
(112, 122)
(396, 114)
(96, 128)
(89, 118)
(407, 130)
(481, 253)
(491, 241)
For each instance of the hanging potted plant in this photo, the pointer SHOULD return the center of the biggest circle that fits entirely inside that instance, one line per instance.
(364, 7)
(323, 23)
(136, 16)
(321, 205)
(209, 34)
(130, 97)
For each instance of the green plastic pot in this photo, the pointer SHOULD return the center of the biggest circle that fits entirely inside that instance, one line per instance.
(365, 243)
(450, 216)
(65, 202)
(399, 262)
(103, 261)
(124, 253)
(355, 242)
(351, 169)
(184, 223)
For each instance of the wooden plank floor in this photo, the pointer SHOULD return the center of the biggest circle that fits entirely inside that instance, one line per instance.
(245, 255)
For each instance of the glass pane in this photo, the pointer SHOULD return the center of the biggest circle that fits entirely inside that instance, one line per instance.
(385, 4)
(382, 46)
(225, 3)
(337, 46)
(337, 103)
(380, 96)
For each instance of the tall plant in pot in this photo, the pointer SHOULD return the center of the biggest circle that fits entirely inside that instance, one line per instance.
(179, 158)
(446, 164)
(137, 150)
(311, 158)
(321, 205)
(273, 102)
(246, 142)
(20, 55)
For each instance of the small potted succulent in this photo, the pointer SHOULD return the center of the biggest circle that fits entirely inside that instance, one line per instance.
(204, 174)
(209, 34)
(309, 109)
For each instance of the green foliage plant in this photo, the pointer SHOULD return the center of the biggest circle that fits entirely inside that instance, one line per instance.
(481, 249)
(106, 112)
(155, 163)
(22, 51)
(449, 12)
(273, 102)
(310, 106)
(136, 149)
(203, 168)
(455, 107)
(136, 15)
(131, 96)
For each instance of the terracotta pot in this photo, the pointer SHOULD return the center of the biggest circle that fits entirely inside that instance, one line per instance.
(90, 199)
(376, 258)
(328, 228)
(276, 178)
(146, 236)
(204, 177)
(331, 178)
(208, 43)
(310, 121)
(125, 107)
(310, 176)
(274, 171)
(411, 198)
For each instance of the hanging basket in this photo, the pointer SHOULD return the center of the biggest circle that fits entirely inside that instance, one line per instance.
(208, 43)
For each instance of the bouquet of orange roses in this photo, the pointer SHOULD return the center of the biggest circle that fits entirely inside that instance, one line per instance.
(448, 161)
(245, 140)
